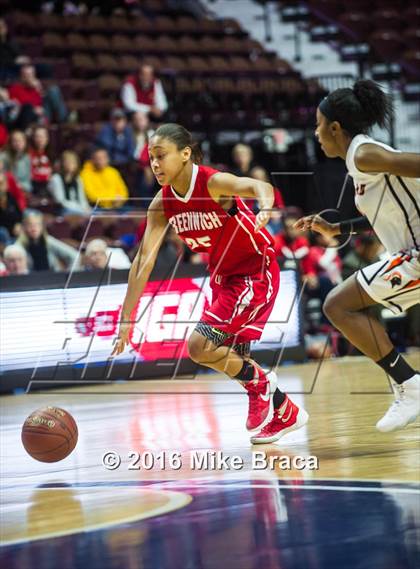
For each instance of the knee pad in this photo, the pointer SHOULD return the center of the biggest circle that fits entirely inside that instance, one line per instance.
(216, 336)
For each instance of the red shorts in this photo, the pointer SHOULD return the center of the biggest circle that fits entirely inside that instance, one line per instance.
(241, 305)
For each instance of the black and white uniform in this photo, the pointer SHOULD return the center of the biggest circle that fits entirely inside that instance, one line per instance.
(392, 206)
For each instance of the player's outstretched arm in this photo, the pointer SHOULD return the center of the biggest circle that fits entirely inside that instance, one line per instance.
(225, 184)
(141, 268)
(374, 158)
(320, 225)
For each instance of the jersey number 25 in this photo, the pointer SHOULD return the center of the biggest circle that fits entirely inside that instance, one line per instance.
(199, 242)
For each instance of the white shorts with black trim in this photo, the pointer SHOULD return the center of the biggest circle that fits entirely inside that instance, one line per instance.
(394, 282)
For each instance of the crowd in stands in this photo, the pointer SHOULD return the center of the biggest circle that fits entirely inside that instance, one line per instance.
(46, 199)
(115, 177)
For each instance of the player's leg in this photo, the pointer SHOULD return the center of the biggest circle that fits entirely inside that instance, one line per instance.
(345, 307)
(206, 348)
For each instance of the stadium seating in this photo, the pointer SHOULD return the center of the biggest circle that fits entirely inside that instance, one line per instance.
(184, 50)
(388, 33)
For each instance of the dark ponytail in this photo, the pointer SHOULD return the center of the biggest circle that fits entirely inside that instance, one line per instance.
(182, 138)
(376, 104)
(358, 109)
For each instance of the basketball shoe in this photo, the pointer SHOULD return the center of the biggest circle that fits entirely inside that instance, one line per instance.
(405, 408)
(287, 418)
(260, 398)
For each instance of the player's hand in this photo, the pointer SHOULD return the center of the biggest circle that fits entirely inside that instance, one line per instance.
(122, 339)
(262, 219)
(318, 224)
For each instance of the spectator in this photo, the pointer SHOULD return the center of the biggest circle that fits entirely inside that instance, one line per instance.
(321, 266)
(99, 256)
(143, 92)
(37, 103)
(275, 223)
(4, 135)
(145, 182)
(16, 260)
(66, 186)
(259, 173)
(290, 246)
(9, 112)
(73, 8)
(13, 187)
(117, 138)
(10, 214)
(46, 252)
(365, 252)
(28, 94)
(242, 156)
(17, 161)
(141, 132)
(171, 250)
(41, 169)
(103, 183)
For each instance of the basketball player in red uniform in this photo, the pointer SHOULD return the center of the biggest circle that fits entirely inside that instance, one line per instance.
(206, 210)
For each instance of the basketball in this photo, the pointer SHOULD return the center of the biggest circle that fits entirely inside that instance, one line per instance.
(49, 434)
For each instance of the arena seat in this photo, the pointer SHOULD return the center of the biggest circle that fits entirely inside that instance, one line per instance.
(164, 44)
(75, 42)
(107, 63)
(163, 24)
(386, 19)
(187, 45)
(53, 43)
(186, 24)
(99, 43)
(83, 65)
(120, 24)
(358, 22)
(411, 38)
(197, 64)
(89, 229)
(218, 64)
(127, 64)
(96, 23)
(387, 43)
(144, 43)
(108, 84)
(60, 228)
(120, 43)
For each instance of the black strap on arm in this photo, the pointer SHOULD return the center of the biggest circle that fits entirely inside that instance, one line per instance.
(355, 225)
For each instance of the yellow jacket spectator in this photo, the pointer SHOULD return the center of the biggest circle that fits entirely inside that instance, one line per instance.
(103, 184)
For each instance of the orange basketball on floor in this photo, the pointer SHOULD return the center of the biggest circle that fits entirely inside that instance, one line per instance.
(49, 434)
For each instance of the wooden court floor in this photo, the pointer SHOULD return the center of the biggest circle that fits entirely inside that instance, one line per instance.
(190, 490)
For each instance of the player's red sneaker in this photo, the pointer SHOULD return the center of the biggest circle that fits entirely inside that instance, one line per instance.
(260, 392)
(286, 419)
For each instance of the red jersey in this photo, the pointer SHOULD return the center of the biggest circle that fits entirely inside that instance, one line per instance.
(144, 95)
(295, 249)
(41, 169)
(25, 95)
(205, 227)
